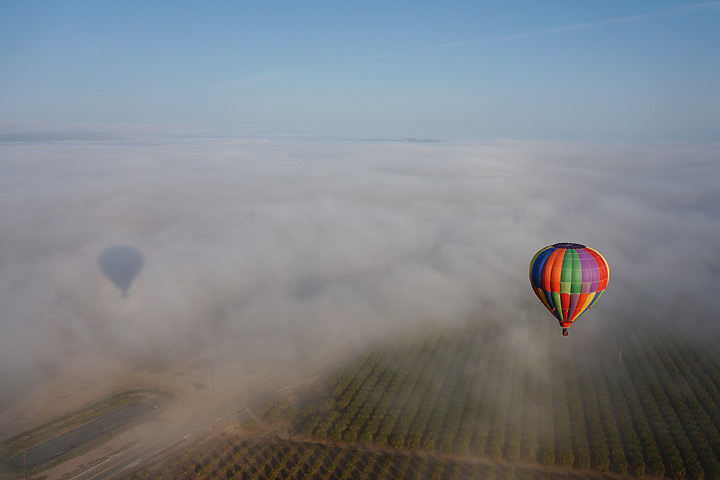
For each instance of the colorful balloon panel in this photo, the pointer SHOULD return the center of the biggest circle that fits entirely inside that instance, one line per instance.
(568, 278)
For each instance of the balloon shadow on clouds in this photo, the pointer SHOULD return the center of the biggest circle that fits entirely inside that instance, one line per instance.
(121, 264)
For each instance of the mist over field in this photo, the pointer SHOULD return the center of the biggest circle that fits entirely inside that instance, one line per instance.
(272, 246)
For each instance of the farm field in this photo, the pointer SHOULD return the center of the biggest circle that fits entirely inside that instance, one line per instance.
(232, 457)
(453, 403)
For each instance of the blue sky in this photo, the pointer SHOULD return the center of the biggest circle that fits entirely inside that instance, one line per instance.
(599, 71)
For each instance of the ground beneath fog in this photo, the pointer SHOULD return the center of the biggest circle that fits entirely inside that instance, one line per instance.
(197, 384)
(86, 380)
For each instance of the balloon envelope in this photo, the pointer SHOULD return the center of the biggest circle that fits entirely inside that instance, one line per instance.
(121, 264)
(568, 278)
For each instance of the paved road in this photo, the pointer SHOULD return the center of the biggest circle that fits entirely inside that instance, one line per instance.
(123, 463)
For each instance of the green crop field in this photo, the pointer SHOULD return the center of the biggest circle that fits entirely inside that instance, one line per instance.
(632, 401)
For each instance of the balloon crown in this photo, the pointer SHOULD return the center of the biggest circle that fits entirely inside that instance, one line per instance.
(571, 246)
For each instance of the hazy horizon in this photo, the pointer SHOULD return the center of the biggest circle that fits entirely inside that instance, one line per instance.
(597, 71)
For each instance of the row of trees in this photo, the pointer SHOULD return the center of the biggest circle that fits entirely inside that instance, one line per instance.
(232, 458)
(641, 402)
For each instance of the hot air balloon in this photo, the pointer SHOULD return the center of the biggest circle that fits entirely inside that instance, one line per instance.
(568, 278)
(121, 263)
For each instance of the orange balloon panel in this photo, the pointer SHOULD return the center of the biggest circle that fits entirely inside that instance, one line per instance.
(568, 278)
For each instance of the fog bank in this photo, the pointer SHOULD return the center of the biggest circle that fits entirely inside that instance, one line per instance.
(272, 246)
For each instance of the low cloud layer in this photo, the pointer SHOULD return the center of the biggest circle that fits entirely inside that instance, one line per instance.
(272, 246)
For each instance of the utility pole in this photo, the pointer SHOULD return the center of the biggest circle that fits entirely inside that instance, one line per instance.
(25, 465)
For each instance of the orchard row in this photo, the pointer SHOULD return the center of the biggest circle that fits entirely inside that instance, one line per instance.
(631, 401)
(232, 458)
